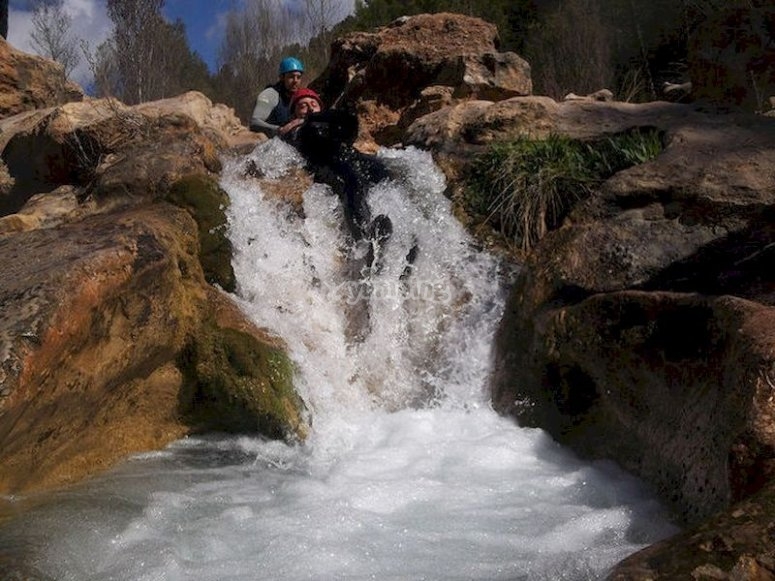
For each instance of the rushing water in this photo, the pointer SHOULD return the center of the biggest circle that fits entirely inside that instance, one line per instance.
(407, 473)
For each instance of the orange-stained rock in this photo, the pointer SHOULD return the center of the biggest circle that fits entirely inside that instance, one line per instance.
(92, 327)
(98, 316)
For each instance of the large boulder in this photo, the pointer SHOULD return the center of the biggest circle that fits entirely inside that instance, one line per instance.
(30, 82)
(402, 71)
(94, 315)
(731, 546)
(100, 317)
(112, 339)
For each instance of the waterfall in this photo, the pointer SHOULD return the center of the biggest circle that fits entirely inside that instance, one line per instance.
(407, 472)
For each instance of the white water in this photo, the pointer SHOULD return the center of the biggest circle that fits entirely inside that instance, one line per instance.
(407, 473)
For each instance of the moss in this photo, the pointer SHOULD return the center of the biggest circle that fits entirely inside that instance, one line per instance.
(201, 196)
(235, 383)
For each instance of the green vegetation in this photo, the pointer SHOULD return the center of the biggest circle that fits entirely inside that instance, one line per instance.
(525, 188)
(206, 202)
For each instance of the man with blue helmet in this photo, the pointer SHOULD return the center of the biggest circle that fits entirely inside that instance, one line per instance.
(272, 114)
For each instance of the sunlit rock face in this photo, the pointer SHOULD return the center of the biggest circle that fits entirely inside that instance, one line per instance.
(94, 315)
(29, 82)
(405, 70)
(112, 339)
(124, 154)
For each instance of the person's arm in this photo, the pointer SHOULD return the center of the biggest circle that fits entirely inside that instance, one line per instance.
(267, 100)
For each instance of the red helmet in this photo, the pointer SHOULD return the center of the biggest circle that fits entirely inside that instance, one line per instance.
(301, 94)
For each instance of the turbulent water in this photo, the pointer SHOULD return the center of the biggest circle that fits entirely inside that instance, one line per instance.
(407, 473)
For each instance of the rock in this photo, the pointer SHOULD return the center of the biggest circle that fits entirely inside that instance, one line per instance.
(601, 95)
(479, 123)
(30, 82)
(640, 329)
(111, 339)
(734, 546)
(606, 304)
(88, 341)
(6, 181)
(677, 92)
(127, 154)
(384, 74)
(203, 198)
(669, 385)
(217, 118)
(95, 342)
(238, 379)
(46, 210)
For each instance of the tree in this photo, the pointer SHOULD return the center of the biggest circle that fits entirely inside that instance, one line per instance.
(570, 51)
(147, 58)
(4, 18)
(252, 46)
(136, 49)
(51, 34)
(320, 16)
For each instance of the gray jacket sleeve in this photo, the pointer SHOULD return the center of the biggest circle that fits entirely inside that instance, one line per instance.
(267, 100)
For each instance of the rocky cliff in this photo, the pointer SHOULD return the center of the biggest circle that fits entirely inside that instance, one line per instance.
(638, 329)
(113, 338)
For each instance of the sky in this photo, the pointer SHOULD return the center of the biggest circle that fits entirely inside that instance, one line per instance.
(204, 20)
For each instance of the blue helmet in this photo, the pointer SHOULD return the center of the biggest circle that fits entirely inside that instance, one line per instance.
(290, 65)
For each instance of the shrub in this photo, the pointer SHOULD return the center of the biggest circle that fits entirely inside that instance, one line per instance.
(525, 188)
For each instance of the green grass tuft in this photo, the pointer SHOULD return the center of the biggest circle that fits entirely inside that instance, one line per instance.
(525, 188)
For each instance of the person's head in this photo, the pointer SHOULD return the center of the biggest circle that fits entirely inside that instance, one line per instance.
(290, 71)
(304, 102)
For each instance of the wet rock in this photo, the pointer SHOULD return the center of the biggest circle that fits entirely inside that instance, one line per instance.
(107, 291)
(203, 198)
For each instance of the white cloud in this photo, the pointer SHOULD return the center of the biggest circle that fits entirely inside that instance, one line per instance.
(90, 23)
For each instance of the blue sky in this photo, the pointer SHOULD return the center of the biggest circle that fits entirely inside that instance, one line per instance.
(204, 20)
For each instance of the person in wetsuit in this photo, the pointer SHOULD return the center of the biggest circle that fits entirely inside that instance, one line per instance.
(325, 139)
(272, 112)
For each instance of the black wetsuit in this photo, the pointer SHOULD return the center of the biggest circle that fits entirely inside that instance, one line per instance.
(326, 141)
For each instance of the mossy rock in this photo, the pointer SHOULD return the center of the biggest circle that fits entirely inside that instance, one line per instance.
(236, 383)
(201, 196)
